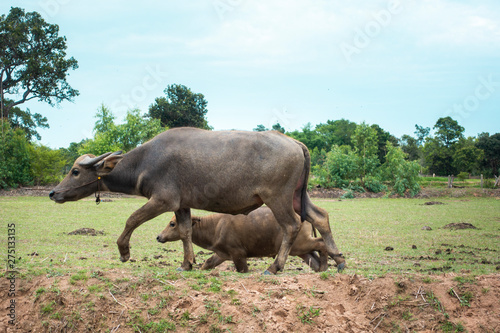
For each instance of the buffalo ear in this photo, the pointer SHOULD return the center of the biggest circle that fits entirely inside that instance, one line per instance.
(108, 164)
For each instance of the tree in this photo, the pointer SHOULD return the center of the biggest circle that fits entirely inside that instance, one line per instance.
(338, 132)
(181, 107)
(308, 136)
(108, 136)
(279, 128)
(260, 128)
(438, 157)
(421, 133)
(467, 157)
(383, 138)
(409, 145)
(47, 165)
(276, 127)
(341, 166)
(27, 121)
(402, 174)
(14, 157)
(365, 140)
(448, 131)
(491, 147)
(32, 61)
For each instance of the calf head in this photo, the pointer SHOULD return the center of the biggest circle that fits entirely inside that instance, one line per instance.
(82, 180)
(171, 231)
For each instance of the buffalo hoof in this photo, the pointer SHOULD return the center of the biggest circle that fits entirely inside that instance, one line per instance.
(340, 267)
(125, 258)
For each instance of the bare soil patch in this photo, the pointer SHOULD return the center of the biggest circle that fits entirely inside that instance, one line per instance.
(114, 301)
(431, 203)
(86, 231)
(460, 225)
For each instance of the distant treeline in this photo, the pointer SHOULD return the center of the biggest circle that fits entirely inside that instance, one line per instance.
(343, 154)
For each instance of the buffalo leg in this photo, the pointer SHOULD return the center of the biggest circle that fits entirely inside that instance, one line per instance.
(150, 210)
(213, 262)
(319, 219)
(183, 217)
(290, 224)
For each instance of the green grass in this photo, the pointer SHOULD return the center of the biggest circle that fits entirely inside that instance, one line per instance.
(362, 228)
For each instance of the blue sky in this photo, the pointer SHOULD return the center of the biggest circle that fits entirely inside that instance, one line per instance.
(392, 63)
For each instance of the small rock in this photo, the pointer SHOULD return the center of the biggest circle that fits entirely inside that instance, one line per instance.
(426, 228)
(389, 248)
(414, 247)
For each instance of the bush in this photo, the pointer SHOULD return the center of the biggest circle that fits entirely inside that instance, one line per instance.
(402, 174)
(47, 165)
(14, 157)
(341, 166)
(374, 184)
(463, 176)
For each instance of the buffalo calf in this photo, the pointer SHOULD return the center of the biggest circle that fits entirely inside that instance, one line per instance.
(238, 237)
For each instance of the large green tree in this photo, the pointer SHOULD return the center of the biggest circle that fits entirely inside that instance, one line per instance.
(27, 121)
(336, 132)
(33, 63)
(180, 107)
(490, 144)
(467, 156)
(109, 136)
(14, 157)
(410, 147)
(448, 131)
(308, 136)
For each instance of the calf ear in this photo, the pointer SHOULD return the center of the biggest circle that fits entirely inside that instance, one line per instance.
(108, 164)
(195, 220)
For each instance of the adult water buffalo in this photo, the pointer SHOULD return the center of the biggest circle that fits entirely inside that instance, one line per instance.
(229, 172)
(238, 237)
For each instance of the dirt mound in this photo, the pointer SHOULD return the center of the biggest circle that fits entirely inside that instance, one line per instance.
(462, 225)
(214, 302)
(86, 231)
(430, 203)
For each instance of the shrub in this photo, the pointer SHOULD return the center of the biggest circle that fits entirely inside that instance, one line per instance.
(402, 174)
(374, 184)
(341, 166)
(463, 176)
(14, 158)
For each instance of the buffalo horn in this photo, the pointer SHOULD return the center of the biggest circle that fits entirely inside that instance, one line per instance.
(90, 161)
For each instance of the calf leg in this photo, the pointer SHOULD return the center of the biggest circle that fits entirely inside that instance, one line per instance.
(311, 260)
(240, 262)
(183, 217)
(213, 262)
(150, 210)
(319, 219)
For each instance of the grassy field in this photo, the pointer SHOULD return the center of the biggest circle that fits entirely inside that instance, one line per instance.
(364, 230)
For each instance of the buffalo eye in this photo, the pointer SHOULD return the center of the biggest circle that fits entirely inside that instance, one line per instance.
(172, 224)
(75, 172)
